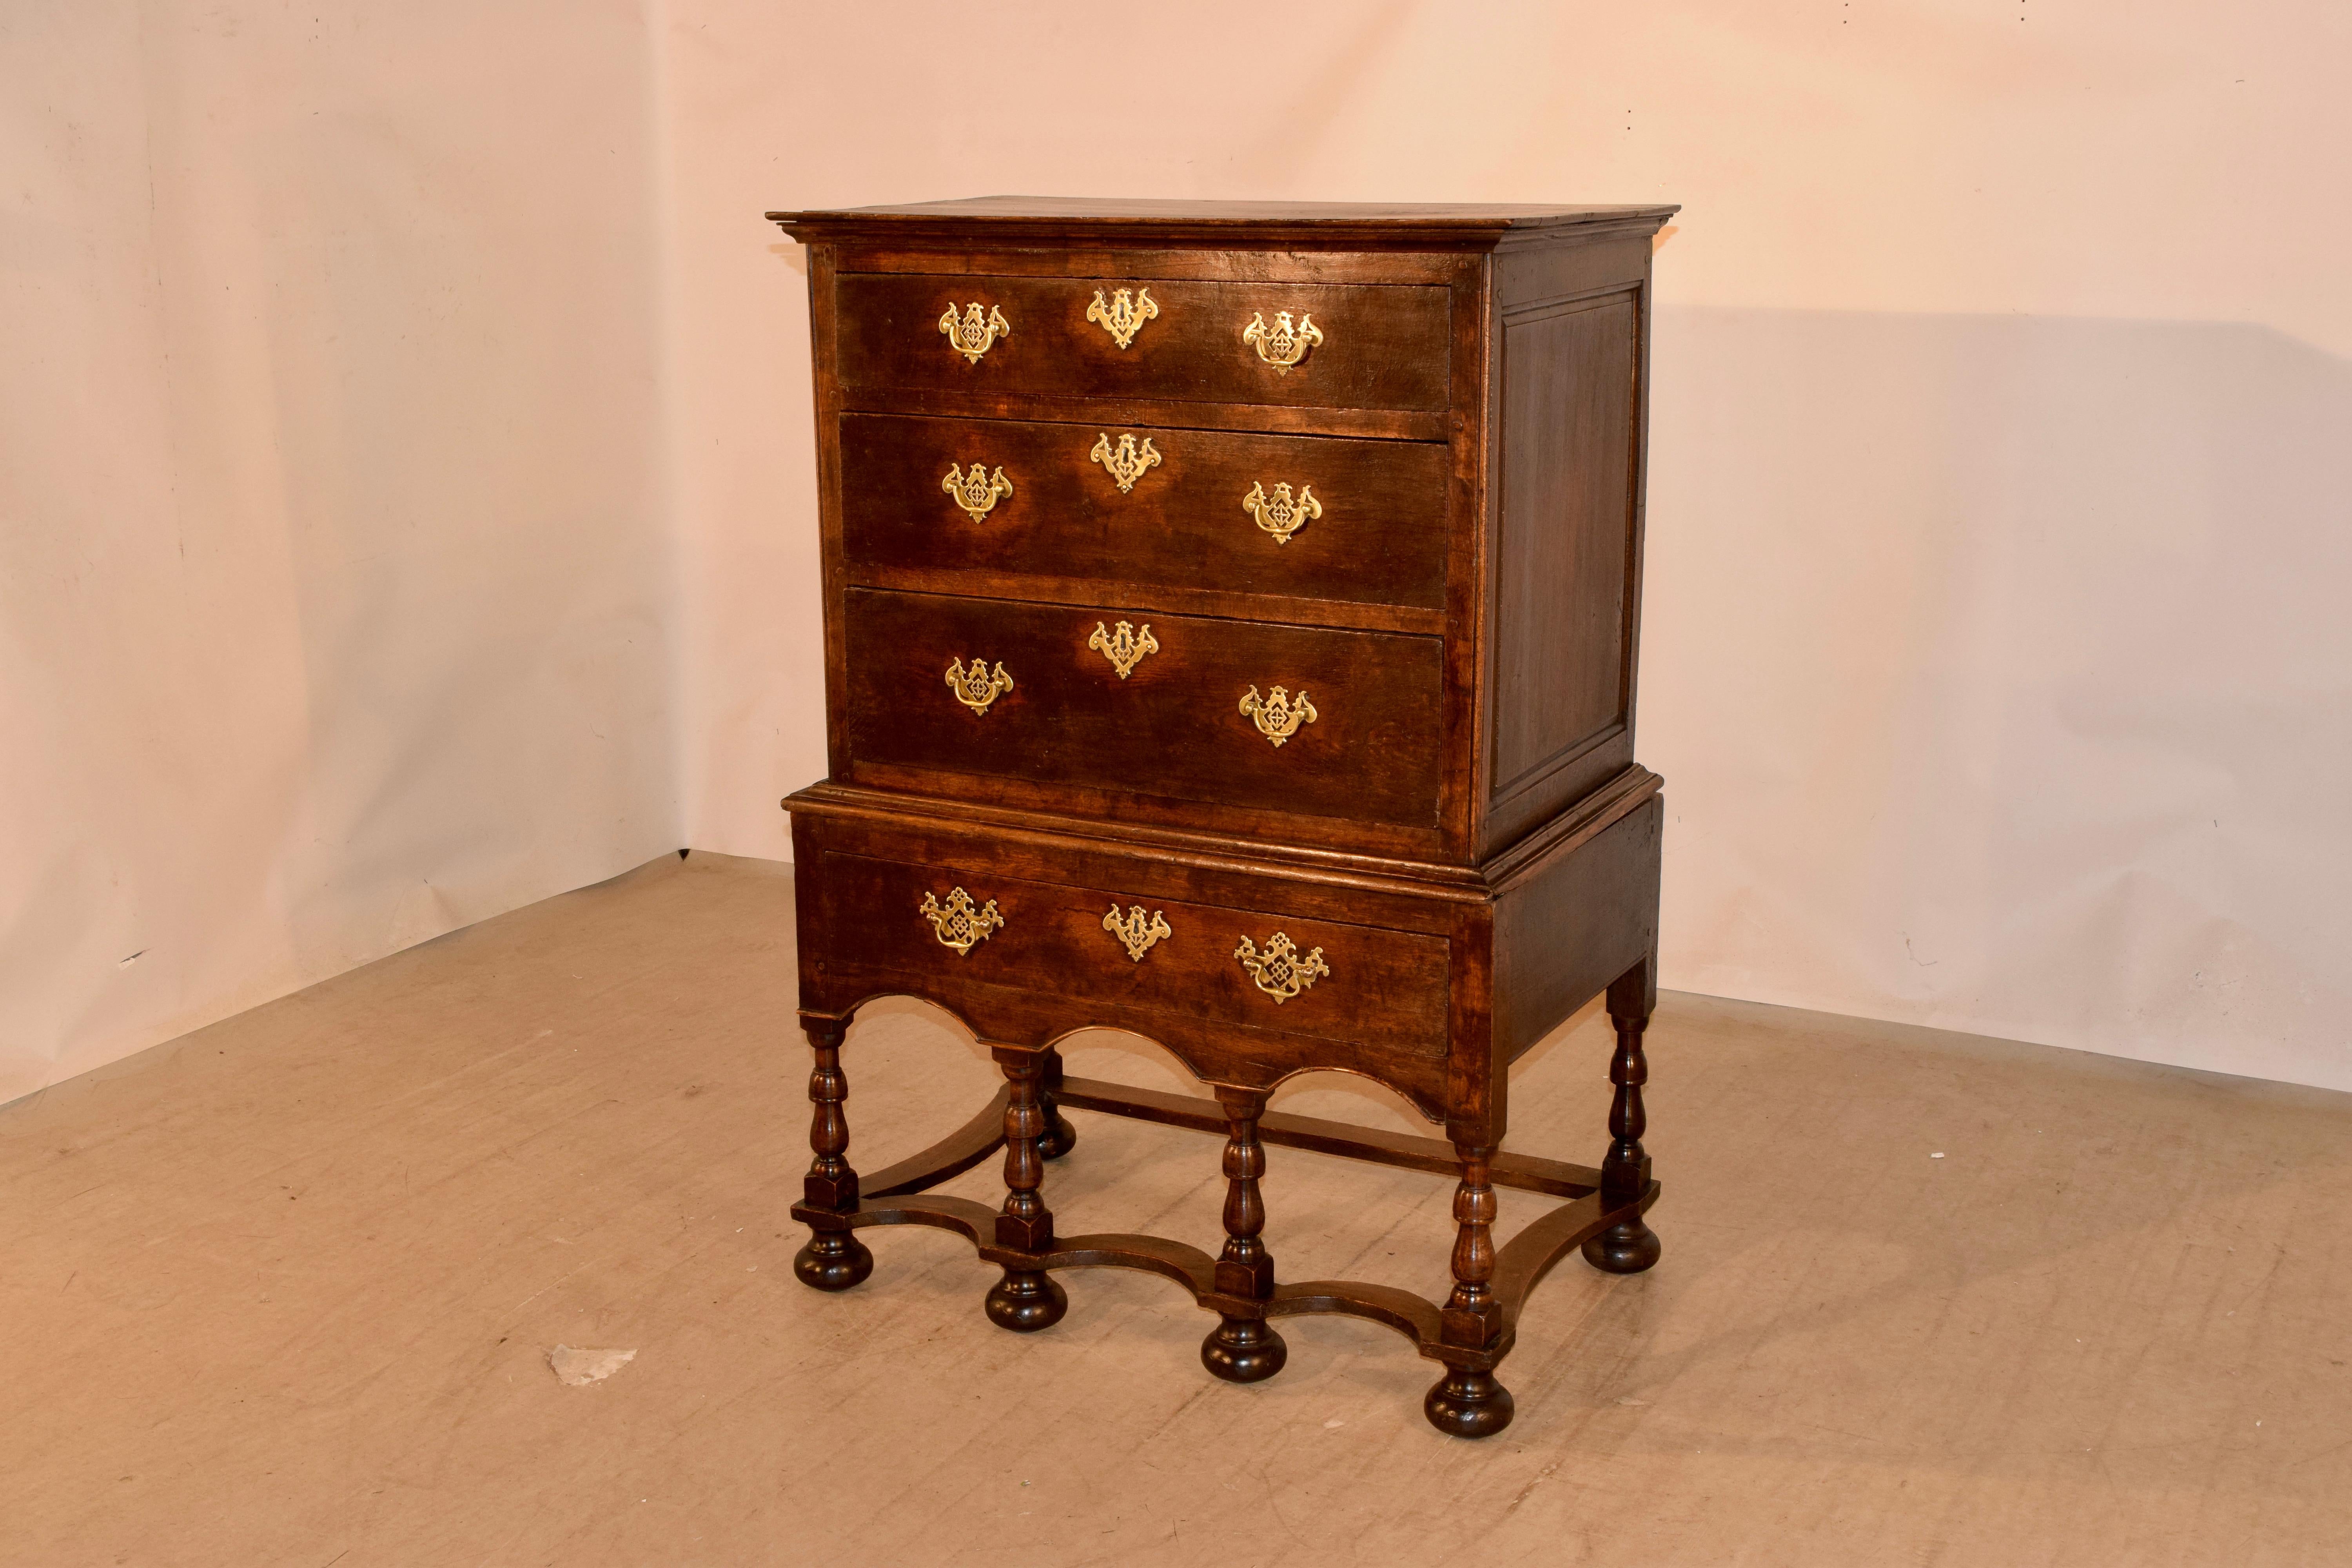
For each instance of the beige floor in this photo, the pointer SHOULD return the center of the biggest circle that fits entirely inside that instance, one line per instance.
(282, 1292)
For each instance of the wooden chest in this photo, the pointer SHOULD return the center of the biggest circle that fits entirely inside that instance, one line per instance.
(1231, 618)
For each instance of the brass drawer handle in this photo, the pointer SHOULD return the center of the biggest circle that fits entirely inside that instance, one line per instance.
(1279, 972)
(1277, 513)
(1136, 932)
(1125, 462)
(976, 492)
(1281, 345)
(1124, 316)
(1124, 647)
(975, 688)
(972, 334)
(1277, 714)
(959, 925)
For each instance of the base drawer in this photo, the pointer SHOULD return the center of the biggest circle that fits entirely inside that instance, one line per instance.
(1026, 946)
(967, 926)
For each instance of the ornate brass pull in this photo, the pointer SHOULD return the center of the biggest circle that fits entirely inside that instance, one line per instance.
(1124, 647)
(976, 689)
(1277, 513)
(1125, 463)
(1123, 317)
(1135, 931)
(959, 925)
(1281, 345)
(972, 334)
(976, 492)
(1279, 972)
(1277, 715)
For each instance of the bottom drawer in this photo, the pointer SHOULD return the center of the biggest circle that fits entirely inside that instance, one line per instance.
(1243, 992)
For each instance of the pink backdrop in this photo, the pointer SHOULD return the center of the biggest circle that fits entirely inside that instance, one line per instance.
(405, 455)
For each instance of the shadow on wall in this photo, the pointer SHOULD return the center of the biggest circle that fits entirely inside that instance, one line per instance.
(2002, 678)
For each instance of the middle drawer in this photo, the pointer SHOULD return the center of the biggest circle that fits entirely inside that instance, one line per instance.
(1302, 720)
(1303, 516)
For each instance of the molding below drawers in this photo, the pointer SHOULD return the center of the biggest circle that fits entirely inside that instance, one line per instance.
(1274, 419)
(1090, 592)
(1227, 852)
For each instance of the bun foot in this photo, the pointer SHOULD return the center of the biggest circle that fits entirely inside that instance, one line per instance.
(1243, 1350)
(1027, 1300)
(1059, 1138)
(1626, 1248)
(1468, 1404)
(833, 1260)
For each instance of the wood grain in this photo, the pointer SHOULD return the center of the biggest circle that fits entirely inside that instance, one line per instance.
(1566, 515)
(1384, 347)
(1171, 728)
(1461, 836)
(1385, 992)
(1379, 540)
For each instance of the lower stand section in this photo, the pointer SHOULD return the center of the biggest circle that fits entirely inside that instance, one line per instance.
(1471, 1333)
(1244, 1347)
(1426, 963)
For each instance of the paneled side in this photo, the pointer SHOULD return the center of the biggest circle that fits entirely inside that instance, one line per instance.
(1564, 549)
(1575, 923)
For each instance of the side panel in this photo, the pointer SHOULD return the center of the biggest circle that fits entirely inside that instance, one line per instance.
(1566, 548)
(1567, 383)
(1575, 923)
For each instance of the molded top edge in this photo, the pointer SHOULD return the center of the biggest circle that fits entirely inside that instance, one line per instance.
(1148, 220)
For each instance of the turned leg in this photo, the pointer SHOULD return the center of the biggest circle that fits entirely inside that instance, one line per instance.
(1244, 1349)
(1025, 1300)
(1467, 1402)
(1628, 1247)
(1059, 1137)
(833, 1259)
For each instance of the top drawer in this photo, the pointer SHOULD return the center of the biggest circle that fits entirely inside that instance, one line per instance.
(1346, 346)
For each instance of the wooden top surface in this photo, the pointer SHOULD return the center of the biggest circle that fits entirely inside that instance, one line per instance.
(1244, 222)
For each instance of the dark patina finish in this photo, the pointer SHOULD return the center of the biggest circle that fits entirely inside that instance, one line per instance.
(1125, 733)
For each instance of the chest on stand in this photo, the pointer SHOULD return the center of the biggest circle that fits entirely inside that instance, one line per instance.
(1230, 627)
